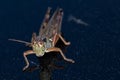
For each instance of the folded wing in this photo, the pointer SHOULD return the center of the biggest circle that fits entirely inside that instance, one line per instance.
(55, 23)
(52, 24)
(43, 28)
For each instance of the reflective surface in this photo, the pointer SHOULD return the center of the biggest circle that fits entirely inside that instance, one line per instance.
(95, 47)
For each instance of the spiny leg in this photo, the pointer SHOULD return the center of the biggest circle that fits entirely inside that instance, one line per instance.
(25, 57)
(66, 43)
(59, 50)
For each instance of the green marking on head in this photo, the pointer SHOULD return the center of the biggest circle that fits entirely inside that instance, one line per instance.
(39, 49)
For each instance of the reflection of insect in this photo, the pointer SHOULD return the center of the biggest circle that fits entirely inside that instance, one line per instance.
(78, 21)
(48, 36)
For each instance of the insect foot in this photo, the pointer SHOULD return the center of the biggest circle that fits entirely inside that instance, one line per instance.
(25, 67)
(70, 60)
(68, 43)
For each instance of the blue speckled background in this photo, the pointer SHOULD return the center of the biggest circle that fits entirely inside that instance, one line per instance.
(95, 48)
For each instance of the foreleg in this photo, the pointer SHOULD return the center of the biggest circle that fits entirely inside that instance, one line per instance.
(25, 57)
(59, 50)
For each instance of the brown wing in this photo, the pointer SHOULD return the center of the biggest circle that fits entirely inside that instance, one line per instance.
(44, 24)
(55, 23)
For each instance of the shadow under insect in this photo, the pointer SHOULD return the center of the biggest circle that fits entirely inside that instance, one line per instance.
(47, 63)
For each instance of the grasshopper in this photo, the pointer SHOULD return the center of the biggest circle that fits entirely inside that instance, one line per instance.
(49, 34)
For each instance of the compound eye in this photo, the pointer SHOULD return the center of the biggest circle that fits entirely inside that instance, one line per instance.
(40, 43)
(34, 42)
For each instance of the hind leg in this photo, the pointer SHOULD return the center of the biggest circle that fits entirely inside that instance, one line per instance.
(66, 43)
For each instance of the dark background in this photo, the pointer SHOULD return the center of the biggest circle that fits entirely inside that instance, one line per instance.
(95, 47)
